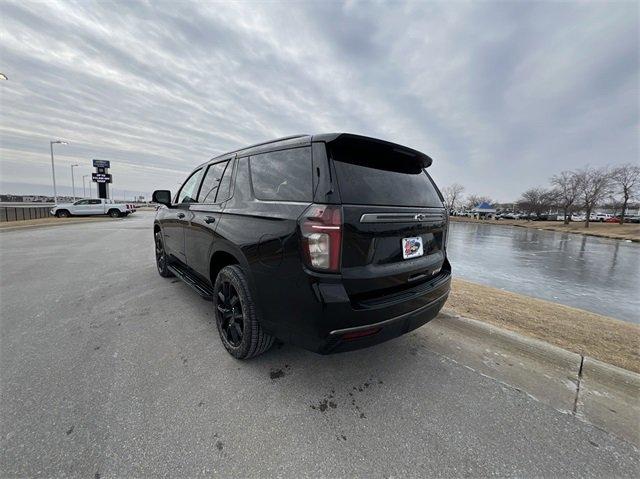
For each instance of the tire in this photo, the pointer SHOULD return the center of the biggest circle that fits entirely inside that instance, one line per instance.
(114, 213)
(161, 256)
(63, 214)
(236, 315)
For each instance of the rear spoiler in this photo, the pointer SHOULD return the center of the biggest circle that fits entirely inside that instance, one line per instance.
(380, 147)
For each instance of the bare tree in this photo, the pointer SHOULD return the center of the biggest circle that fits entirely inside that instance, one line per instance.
(452, 195)
(537, 200)
(474, 200)
(594, 185)
(625, 181)
(567, 190)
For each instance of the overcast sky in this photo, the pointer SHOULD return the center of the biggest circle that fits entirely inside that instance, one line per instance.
(501, 95)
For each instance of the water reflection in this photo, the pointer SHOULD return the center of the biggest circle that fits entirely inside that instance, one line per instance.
(594, 274)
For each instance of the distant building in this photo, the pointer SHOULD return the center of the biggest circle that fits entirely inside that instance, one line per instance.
(36, 199)
(11, 198)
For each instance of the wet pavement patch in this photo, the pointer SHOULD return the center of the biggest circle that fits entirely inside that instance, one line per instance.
(331, 402)
(276, 374)
(325, 404)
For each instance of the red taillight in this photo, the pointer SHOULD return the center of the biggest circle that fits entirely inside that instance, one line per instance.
(321, 227)
(360, 334)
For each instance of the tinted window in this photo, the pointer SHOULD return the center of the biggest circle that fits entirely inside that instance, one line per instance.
(242, 188)
(95, 202)
(224, 190)
(282, 175)
(189, 190)
(82, 202)
(211, 183)
(384, 180)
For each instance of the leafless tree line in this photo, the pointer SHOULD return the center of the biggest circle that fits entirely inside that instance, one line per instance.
(571, 190)
(455, 199)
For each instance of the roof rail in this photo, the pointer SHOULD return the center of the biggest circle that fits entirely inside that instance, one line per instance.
(253, 146)
(273, 141)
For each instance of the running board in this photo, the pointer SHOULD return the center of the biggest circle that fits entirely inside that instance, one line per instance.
(182, 273)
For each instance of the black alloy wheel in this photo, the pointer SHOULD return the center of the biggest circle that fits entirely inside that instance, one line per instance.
(161, 256)
(237, 317)
(230, 315)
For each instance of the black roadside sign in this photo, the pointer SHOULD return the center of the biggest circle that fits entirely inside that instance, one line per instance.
(101, 164)
(101, 177)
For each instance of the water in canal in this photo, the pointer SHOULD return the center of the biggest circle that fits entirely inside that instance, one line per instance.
(595, 274)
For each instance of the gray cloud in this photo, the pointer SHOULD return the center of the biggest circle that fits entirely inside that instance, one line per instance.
(502, 95)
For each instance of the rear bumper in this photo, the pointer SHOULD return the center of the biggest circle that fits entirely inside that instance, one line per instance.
(382, 331)
(325, 320)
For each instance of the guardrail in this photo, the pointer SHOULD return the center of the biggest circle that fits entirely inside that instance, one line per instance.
(21, 213)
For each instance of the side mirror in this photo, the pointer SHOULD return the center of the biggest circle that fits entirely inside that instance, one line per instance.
(162, 196)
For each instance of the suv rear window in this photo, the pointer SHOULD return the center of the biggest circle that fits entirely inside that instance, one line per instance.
(388, 179)
(284, 175)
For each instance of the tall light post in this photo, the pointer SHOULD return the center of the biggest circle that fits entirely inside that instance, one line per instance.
(84, 191)
(73, 183)
(90, 194)
(53, 168)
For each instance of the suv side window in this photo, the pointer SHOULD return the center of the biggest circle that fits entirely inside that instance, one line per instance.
(282, 175)
(189, 190)
(215, 180)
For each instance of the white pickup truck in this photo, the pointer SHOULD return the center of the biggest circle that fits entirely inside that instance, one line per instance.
(91, 207)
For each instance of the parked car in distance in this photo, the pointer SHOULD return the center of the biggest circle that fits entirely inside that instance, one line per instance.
(601, 217)
(627, 219)
(91, 207)
(332, 242)
(547, 217)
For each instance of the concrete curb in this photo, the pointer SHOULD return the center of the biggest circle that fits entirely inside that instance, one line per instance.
(534, 348)
(598, 393)
(609, 397)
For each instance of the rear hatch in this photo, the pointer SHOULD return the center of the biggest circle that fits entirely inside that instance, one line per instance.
(393, 216)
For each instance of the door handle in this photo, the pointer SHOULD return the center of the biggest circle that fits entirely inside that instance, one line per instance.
(209, 219)
(180, 215)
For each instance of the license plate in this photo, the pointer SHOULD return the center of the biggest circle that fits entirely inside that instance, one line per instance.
(412, 247)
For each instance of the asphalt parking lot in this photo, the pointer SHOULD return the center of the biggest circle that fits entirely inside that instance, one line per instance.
(109, 370)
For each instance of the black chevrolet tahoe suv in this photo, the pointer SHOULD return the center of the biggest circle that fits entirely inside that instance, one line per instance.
(331, 242)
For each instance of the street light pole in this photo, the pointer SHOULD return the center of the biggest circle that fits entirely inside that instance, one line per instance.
(53, 168)
(90, 194)
(73, 183)
(84, 191)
